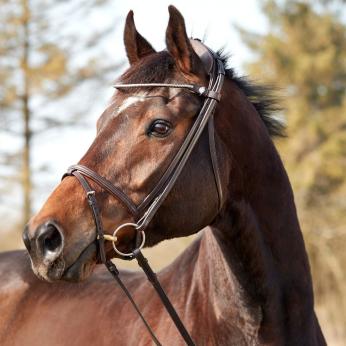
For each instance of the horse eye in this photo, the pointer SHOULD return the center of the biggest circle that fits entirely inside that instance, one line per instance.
(160, 128)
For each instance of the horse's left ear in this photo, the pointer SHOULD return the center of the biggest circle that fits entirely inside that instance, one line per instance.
(136, 45)
(179, 46)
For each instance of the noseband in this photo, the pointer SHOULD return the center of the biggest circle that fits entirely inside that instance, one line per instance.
(146, 210)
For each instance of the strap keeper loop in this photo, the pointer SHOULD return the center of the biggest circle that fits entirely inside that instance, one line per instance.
(215, 95)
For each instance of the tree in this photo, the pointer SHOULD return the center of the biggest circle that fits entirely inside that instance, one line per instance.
(305, 55)
(38, 66)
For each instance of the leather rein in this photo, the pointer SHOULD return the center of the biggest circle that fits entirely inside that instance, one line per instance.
(146, 210)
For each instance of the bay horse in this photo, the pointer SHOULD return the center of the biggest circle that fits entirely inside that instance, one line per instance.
(245, 281)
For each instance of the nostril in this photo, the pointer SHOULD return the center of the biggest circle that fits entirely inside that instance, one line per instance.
(50, 240)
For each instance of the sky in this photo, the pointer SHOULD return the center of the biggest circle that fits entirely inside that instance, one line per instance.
(212, 21)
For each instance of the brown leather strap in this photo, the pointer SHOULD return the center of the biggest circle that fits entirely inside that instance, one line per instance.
(95, 212)
(208, 108)
(107, 185)
(100, 239)
(152, 277)
(213, 155)
(115, 273)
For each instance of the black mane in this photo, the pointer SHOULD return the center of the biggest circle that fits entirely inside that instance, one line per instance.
(261, 96)
(158, 68)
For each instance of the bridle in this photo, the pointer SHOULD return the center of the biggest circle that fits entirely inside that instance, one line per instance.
(146, 210)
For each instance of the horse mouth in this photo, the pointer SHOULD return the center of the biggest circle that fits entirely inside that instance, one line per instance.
(80, 269)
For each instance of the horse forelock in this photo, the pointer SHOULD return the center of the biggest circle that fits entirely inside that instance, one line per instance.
(155, 68)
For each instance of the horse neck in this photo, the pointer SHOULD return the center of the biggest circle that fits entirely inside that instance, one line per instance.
(258, 229)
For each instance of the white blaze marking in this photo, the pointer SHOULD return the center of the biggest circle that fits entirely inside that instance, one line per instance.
(129, 102)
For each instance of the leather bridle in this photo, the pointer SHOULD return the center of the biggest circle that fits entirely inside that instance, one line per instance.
(145, 211)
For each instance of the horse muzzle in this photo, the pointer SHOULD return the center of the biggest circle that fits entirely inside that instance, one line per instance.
(46, 249)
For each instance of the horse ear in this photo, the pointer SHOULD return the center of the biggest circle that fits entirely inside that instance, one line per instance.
(136, 45)
(179, 46)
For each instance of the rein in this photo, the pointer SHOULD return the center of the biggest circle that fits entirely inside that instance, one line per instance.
(146, 210)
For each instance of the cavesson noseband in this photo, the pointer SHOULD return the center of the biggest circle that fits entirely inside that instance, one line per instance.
(145, 211)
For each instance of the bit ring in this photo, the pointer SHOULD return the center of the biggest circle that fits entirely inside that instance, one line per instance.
(129, 224)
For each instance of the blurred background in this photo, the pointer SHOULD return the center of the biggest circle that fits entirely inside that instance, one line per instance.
(57, 63)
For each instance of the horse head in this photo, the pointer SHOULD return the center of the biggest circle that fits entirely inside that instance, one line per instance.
(138, 135)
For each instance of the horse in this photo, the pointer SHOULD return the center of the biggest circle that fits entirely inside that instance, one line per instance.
(244, 281)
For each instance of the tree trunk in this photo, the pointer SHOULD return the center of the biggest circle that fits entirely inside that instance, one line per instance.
(26, 113)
